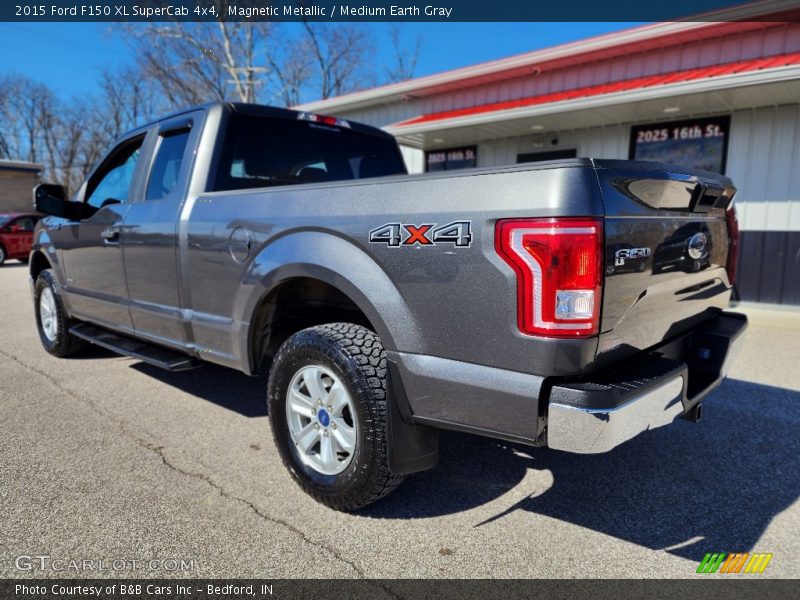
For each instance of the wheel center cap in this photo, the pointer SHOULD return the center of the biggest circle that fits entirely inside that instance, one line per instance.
(323, 417)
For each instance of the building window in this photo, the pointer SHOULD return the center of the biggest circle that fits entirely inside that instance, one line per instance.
(547, 155)
(696, 143)
(451, 158)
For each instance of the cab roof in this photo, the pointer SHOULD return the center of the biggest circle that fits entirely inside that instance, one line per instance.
(258, 110)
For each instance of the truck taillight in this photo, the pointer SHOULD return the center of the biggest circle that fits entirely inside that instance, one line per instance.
(558, 263)
(733, 243)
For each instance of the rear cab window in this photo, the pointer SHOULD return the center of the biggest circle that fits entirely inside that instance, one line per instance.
(267, 151)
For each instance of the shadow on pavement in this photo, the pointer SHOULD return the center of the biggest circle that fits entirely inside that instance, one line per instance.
(92, 352)
(688, 489)
(224, 387)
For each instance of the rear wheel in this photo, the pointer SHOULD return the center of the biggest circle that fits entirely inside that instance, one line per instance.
(51, 319)
(328, 409)
(2, 255)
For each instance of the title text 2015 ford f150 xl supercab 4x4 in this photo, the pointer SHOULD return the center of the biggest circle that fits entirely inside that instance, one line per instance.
(571, 304)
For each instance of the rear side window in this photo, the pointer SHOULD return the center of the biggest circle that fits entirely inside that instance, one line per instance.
(167, 164)
(26, 223)
(262, 152)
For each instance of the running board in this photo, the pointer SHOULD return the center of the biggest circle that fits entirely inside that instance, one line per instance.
(152, 355)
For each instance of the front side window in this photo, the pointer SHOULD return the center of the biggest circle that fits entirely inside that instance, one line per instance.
(112, 183)
(167, 165)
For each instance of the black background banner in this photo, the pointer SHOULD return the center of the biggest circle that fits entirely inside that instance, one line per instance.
(705, 587)
(374, 10)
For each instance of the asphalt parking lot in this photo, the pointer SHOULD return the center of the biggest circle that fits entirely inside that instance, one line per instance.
(105, 458)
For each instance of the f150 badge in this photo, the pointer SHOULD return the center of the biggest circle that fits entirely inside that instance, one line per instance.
(458, 233)
(623, 254)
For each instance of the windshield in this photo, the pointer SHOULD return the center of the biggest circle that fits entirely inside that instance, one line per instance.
(267, 152)
(5, 219)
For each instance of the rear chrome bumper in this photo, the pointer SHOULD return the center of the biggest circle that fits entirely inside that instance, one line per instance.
(596, 415)
(596, 430)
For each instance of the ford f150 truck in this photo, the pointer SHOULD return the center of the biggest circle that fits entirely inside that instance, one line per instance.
(572, 304)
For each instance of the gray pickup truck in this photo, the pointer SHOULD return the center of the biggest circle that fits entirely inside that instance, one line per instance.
(572, 304)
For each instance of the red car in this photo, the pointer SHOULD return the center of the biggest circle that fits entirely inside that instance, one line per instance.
(16, 235)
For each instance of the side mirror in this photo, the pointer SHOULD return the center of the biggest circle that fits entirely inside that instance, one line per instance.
(51, 199)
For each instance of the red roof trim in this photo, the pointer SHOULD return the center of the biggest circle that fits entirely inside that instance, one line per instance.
(624, 85)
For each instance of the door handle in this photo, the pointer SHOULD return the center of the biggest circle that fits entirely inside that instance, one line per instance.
(110, 235)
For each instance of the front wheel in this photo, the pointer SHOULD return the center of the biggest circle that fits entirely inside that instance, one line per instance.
(51, 319)
(2, 255)
(328, 408)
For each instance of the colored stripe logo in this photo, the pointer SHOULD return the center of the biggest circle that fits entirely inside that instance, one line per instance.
(736, 562)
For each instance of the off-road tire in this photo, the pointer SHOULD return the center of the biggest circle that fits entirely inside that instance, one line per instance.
(64, 344)
(358, 358)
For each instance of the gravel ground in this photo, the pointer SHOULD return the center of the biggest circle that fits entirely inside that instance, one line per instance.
(105, 458)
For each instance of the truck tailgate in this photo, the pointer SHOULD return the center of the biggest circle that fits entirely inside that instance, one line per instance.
(667, 244)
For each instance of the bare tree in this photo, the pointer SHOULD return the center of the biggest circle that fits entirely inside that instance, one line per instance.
(342, 54)
(290, 70)
(405, 59)
(5, 149)
(127, 100)
(72, 146)
(19, 117)
(67, 137)
(321, 61)
(185, 64)
(32, 122)
(194, 63)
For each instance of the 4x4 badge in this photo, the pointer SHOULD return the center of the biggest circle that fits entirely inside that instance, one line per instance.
(458, 233)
